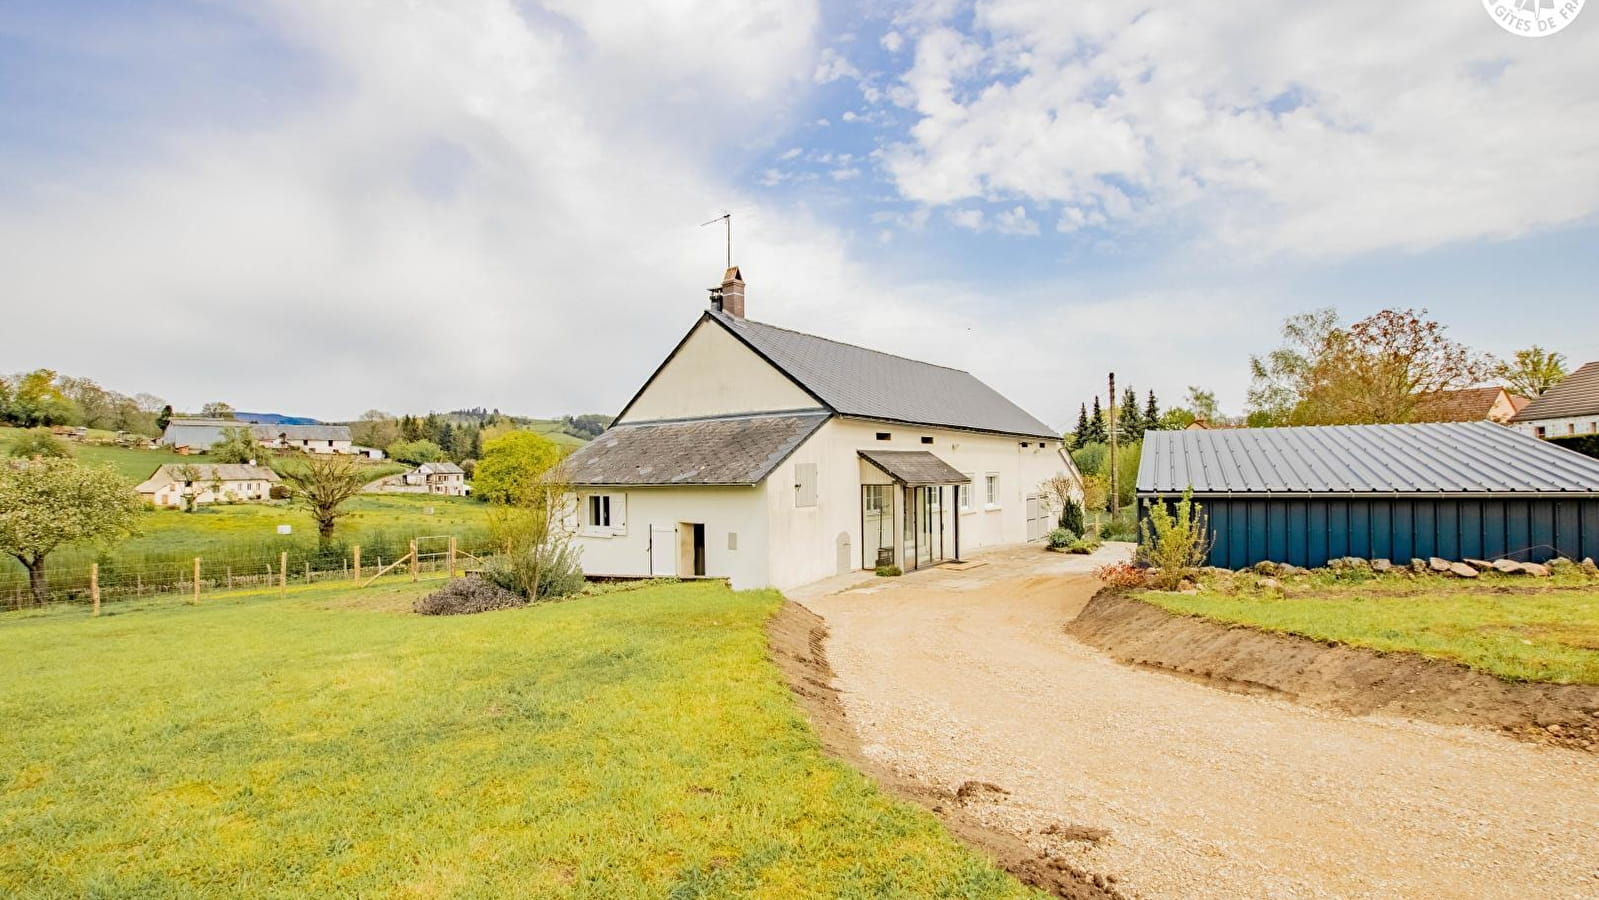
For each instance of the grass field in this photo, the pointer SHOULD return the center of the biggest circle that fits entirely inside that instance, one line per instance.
(635, 744)
(1503, 625)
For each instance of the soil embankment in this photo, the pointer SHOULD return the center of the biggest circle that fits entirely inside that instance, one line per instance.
(797, 638)
(1332, 676)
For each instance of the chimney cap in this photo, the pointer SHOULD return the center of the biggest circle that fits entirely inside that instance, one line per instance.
(732, 274)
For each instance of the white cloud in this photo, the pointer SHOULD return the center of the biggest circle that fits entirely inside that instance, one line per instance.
(832, 66)
(791, 153)
(892, 41)
(1015, 221)
(1319, 129)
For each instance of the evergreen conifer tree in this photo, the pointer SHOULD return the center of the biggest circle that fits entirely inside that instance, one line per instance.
(1151, 414)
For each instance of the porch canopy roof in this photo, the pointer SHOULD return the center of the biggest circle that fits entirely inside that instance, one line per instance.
(914, 467)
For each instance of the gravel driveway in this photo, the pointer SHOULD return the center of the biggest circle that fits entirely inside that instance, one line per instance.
(955, 676)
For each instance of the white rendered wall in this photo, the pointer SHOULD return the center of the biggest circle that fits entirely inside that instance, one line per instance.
(1562, 427)
(714, 374)
(722, 510)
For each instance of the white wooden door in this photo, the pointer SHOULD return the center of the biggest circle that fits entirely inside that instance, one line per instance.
(1035, 518)
(663, 550)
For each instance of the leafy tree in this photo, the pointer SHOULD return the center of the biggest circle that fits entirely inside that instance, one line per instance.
(375, 428)
(164, 418)
(48, 503)
(39, 443)
(1388, 367)
(238, 445)
(513, 466)
(587, 426)
(1151, 418)
(1533, 371)
(322, 484)
(217, 410)
(416, 452)
(36, 399)
(93, 406)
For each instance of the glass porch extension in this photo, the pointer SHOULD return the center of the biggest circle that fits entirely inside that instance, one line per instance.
(928, 530)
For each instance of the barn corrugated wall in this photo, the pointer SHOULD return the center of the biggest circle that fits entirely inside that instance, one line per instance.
(1311, 530)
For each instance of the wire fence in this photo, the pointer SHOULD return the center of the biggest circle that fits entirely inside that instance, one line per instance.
(108, 580)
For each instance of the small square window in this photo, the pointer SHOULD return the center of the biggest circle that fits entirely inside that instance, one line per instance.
(884, 436)
(926, 439)
(1026, 444)
(600, 511)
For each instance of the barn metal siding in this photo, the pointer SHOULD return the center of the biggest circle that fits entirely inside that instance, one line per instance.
(1308, 531)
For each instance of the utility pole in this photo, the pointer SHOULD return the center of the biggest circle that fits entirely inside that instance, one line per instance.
(1112, 434)
(727, 219)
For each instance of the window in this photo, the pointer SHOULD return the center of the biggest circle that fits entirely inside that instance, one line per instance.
(1027, 443)
(884, 436)
(991, 486)
(1593, 427)
(926, 439)
(599, 511)
(1571, 428)
(963, 494)
(1539, 430)
(805, 484)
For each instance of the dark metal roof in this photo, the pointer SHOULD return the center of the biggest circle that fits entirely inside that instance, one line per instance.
(1444, 457)
(914, 467)
(732, 450)
(1576, 395)
(870, 384)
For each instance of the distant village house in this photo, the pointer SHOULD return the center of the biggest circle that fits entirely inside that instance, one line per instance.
(174, 482)
(1569, 408)
(445, 479)
(199, 435)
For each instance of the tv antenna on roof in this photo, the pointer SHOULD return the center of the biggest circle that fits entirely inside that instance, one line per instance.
(728, 218)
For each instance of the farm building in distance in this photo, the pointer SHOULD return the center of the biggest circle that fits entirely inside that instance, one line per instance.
(173, 482)
(200, 434)
(443, 478)
(1306, 495)
(776, 458)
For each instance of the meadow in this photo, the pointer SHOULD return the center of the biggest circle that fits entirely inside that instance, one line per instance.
(632, 744)
(1512, 626)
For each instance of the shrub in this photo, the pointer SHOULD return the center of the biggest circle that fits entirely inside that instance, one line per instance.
(1071, 516)
(39, 443)
(1174, 545)
(279, 492)
(1120, 575)
(543, 571)
(1083, 546)
(463, 596)
(1122, 527)
(416, 452)
(889, 571)
(1061, 538)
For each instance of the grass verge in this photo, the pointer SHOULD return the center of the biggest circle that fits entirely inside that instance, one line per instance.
(1509, 626)
(629, 745)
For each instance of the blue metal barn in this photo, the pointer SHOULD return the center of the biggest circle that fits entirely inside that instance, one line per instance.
(1306, 495)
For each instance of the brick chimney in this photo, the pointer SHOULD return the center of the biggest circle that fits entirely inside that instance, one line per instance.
(729, 298)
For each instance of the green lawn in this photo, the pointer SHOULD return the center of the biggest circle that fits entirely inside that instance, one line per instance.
(635, 744)
(1500, 624)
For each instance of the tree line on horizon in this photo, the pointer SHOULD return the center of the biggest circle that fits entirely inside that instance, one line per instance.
(1392, 367)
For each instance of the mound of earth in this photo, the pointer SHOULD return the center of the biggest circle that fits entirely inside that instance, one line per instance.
(1333, 676)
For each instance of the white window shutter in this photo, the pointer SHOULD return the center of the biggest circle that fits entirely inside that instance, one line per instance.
(619, 513)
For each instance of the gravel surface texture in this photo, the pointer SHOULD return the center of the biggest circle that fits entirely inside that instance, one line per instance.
(952, 677)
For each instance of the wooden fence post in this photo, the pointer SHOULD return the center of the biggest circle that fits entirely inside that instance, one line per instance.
(452, 556)
(230, 578)
(357, 550)
(94, 586)
(413, 559)
(196, 600)
(283, 574)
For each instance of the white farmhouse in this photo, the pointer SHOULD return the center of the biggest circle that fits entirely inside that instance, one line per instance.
(200, 434)
(172, 482)
(1569, 408)
(776, 458)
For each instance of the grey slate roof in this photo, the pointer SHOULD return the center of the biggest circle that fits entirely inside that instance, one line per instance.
(914, 467)
(1444, 457)
(722, 451)
(869, 384)
(1577, 395)
(202, 433)
(442, 468)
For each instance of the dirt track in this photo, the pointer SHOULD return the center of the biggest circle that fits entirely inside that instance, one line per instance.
(952, 677)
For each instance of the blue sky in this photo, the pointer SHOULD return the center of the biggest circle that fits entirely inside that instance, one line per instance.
(320, 208)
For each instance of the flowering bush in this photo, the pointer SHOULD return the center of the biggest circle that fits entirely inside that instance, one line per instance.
(1122, 575)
